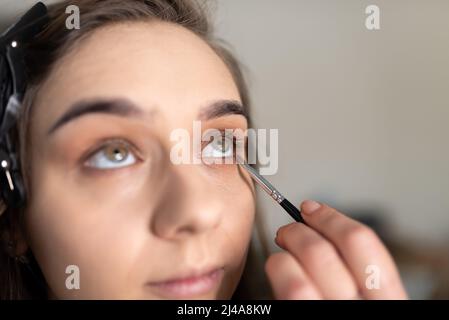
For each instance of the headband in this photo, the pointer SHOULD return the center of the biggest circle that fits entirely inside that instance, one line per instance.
(13, 82)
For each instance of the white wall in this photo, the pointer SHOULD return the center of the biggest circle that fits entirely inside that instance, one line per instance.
(363, 116)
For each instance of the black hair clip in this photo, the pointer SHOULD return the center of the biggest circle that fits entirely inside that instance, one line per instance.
(12, 88)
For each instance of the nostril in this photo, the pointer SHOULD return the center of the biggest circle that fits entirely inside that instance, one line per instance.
(173, 230)
(186, 229)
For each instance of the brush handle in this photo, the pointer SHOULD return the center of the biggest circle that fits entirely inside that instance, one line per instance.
(292, 210)
(272, 192)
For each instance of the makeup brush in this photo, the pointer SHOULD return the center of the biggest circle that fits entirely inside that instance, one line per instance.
(268, 187)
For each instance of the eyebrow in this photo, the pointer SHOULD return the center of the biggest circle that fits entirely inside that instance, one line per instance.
(222, 108)
(120, 107)
(126, 108)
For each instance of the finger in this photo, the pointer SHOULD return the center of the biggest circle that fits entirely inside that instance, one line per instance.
(288, 279)
(361, 249)
(320, 260)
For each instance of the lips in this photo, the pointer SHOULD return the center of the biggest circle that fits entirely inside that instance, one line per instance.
(193, 283)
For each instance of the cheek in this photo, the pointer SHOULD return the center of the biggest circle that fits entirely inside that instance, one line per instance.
(237, 193)
(235, 189)
(238, 221)
(100, 237)
(231, 180)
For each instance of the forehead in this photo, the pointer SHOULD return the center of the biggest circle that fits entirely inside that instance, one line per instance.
(156, 65)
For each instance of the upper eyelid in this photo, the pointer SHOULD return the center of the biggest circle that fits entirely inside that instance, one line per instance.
(223, 135)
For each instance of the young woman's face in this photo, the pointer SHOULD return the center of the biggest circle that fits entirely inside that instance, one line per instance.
(106, 197)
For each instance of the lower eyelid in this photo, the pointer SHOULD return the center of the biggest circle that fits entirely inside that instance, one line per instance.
(119, 166)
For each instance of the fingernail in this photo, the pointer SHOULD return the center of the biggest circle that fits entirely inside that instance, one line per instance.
(310, 206)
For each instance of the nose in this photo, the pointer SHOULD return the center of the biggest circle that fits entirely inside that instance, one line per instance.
(189, 205)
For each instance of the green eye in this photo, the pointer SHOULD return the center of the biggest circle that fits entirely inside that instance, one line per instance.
(219, 148)
(111, 156)
(221, 145)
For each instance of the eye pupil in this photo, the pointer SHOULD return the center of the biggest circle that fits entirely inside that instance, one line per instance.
(221, 145)
(117, 154)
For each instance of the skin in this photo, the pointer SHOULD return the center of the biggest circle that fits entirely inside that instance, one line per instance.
(153, 220)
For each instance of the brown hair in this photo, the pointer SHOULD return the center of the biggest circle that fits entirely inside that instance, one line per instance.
(25, 281)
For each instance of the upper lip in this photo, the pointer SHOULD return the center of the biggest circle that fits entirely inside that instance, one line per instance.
(186, 275)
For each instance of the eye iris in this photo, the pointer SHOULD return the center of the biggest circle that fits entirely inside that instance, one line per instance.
(116, 153)
(222, 145)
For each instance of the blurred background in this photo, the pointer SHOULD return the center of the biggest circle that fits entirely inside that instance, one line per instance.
(363, 115)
